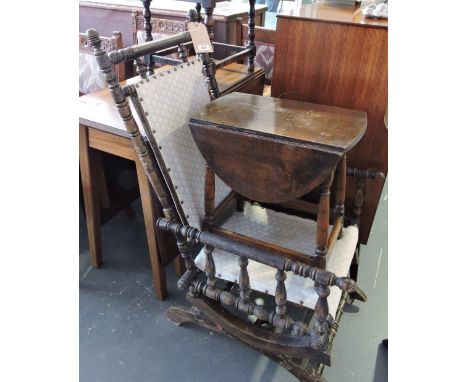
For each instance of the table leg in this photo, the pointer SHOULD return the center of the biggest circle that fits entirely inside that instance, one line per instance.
(89, 178)
(159, 272)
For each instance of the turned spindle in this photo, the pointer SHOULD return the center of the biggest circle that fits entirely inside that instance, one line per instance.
(321, 308)
(280, 293)
(251, 35)
(209, 71)
(323, 218)
(210, 268)
(148, 36)
(244, 281)
(339, 207)
(209, 194)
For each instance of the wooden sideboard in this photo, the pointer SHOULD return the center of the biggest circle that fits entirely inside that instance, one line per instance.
(333, 55)
(110, 15)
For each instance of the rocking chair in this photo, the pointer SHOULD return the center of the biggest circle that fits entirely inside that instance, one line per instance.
(240, 149)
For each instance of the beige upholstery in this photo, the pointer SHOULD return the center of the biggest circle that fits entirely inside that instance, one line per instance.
(169, 98)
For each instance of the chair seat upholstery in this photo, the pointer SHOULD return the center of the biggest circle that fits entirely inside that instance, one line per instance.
(290, 232)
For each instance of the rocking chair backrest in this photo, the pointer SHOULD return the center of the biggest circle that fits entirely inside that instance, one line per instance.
(168, 99)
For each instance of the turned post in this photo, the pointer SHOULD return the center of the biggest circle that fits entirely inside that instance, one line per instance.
(339, 207)
(323, 220)
(209, 71)
(208, 6)
(148, 35)
(280, 293)
(244, 280)
(322, 282)
(209, 194)
(251, 35)
(210, 268)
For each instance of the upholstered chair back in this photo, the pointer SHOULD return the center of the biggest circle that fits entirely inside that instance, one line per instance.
(168, 98)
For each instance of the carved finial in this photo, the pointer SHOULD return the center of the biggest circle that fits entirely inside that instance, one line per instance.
(93, 37)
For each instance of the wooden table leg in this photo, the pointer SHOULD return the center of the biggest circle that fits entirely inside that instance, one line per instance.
(89, 179)
(159, 272)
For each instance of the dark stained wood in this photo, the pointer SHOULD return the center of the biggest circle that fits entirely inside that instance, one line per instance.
(209, 194)
(285, 172)
(284, 148)
(323, 218)
(350, 71)
(312, 125)
(237, 78)
(286, 252)
(181, 314)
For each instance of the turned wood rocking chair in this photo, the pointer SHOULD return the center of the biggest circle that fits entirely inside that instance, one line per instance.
(235, 249)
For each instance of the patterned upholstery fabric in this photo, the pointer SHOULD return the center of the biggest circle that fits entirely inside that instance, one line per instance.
(287, 231)
(264, 58)
(169, 98)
